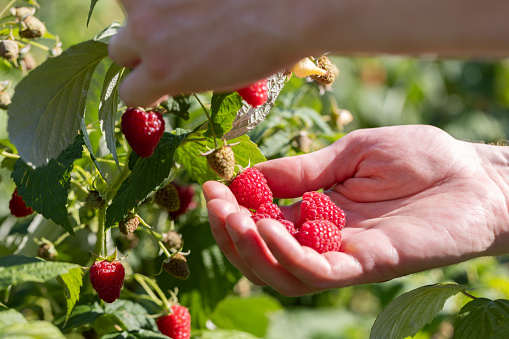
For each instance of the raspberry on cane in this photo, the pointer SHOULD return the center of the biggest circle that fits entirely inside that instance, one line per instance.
(17, 206)
(255, 94)
(177, 324)
(107, 279)
(142, 130)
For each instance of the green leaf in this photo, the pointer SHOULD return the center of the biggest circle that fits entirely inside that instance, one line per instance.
(81, 315)
(92, 5)
(39, 271)
(147, 175)
(49, 103)
(71, 283)
(189, 156)
(483, 318)
(223, 109)
(132, 315)
(409, 312)
(108, 107)
(33, 330)
(245, 314)
(11, 316)
(45, 188)
(108, 32)
(178, 105)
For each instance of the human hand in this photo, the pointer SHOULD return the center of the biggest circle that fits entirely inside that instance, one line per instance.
(192, 46)
(414, 198)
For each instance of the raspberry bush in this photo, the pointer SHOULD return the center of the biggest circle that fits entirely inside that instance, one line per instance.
(91, 250)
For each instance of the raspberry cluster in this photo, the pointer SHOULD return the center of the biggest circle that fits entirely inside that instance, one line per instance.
(320, 222)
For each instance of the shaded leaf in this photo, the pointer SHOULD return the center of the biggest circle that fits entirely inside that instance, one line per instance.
(92, 6)
(132, 315)
(146, 176)
(81, 315)
(178, 105)
(45, 188)
(32, 330)
(483, 318)
(138, 334)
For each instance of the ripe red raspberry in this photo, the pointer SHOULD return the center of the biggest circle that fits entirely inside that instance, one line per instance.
(318, 206)
(168, 198)
(177, 324)
(107, 278)
(290, 227)
(255, 94)
(271, 209)
(18, 207)
(142, 130)
(222, 161)
(321, 235)
(251, 189)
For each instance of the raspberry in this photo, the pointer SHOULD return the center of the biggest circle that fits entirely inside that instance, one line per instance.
(186, 195)
(172, 241)
(318, 206)
(107, 278)
(5, 100)
(321, 235)
(129, 224)
(47, 251)
(250, 188)
(168, 198)
(271, 209)
(142, 130)
(21, 12)
(177, 324)
(290, 227)
(9, 49)
(32, 28)
(176, 265)
(222, 161)
(255, 94)
(94, 201)
(28, 62)
(18, 207)
(325, 64)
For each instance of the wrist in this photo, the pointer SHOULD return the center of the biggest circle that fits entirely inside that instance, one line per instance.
(495, 161)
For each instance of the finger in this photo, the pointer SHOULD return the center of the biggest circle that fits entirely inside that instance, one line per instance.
(256, 256)
(319, 271)
(290, 177)
(217, 211)
(216, 190)
(140, 88)
(123, 50)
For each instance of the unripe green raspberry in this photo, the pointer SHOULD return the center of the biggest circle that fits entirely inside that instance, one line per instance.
(168, 198)
(325, 64)
(5, 100)
(32, 28)
(129, 224)
(9, 49)
(176, 265)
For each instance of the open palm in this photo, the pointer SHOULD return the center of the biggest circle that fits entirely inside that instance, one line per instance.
(414, 198)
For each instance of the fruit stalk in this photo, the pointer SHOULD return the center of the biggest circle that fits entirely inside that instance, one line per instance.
(165, 250)
(208, 118)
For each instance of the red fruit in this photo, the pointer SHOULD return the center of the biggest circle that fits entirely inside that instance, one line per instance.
(142, 130)
(290, 227)
(251, 189)
(186, 195)
(321, 235)
(255, 94)
(107, 278)
(318, 206)
(176, 325)
(18, 207)
(271, 209)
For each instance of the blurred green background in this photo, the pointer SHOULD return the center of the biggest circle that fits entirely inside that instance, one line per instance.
(468, 98)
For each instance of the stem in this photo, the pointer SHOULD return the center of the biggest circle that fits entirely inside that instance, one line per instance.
(9, 5)
(36, 44)
(208, 118)
(468, 295)
(65, 235)
(165, 250)
(9, 155)
(101, 237)
(156, 288)
(141, 280)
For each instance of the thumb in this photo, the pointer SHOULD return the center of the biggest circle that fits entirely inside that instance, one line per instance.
(291, 177)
